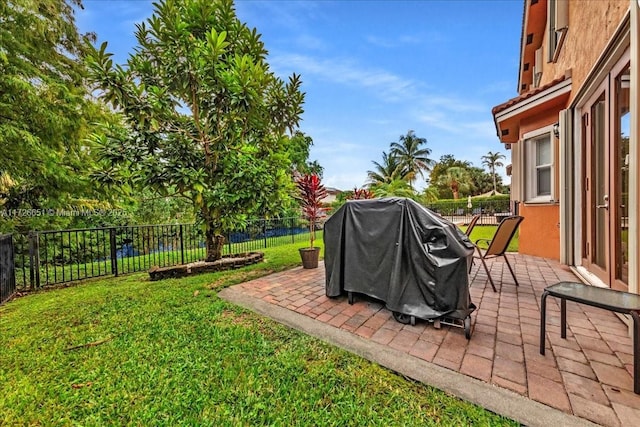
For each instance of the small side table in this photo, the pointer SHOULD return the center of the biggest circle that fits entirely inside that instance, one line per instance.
(608, 299)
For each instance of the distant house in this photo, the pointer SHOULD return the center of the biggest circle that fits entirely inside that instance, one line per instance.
(573, 134)
(332, 194)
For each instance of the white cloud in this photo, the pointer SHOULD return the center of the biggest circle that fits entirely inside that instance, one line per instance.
(332, 148)
(309, 42)
(437, 120)
(346, 72)
(381, 41)
(501, 87)
(482, 129)
(411, 39)
(295, 16)
(388, 42)
(453, 103)
(479, 129)
(381, 122)
(344, 181)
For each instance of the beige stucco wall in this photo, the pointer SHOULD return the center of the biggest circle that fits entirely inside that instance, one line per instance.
(592, 23)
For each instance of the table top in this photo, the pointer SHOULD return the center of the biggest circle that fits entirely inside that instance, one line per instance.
(610, 299)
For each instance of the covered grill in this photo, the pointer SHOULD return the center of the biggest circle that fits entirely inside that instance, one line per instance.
(401, 253)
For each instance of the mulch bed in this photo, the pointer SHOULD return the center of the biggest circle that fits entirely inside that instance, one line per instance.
(227, 262)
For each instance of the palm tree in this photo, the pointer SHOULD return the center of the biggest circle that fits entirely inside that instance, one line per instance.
(395, 188)
(492, 161)
(430, 194)
(457, 179)
(390, 170)
(414, 159)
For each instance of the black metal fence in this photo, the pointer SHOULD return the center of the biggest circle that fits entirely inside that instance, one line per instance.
(42, 258)
(461, 212)
(7, 272)
(45, 258)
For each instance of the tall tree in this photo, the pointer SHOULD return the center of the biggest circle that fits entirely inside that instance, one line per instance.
(492, 161)
(413, 158)
(298, 146)
(206, 116)
(389, 170)
(440, 169)
(45, 109)
(457, 179)
(482, 181)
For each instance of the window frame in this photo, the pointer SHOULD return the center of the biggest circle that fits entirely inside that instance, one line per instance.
(558, 17)
(530, 140)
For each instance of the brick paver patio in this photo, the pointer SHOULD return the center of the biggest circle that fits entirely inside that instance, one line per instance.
(588, 374)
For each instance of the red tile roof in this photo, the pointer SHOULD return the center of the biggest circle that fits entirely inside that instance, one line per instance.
(513, 101)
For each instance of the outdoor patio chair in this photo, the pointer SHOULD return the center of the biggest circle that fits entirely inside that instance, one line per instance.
(472, 224)
(498, 245)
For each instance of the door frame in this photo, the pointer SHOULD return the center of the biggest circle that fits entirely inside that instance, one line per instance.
(590, 199)
(585, 223)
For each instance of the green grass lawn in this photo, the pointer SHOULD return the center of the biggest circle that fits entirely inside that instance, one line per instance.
(127, 351)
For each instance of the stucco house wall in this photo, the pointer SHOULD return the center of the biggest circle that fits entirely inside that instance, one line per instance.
(539, 232)
(591, 25)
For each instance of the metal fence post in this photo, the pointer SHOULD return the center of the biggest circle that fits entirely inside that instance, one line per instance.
(114, 253)
(264, 232)
(34, 260)
(291, 229)
(181, 246)
(32, 272)
(7, 268)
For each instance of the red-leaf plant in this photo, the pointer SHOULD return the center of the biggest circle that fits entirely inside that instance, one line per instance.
(311, 193)
(361, 194)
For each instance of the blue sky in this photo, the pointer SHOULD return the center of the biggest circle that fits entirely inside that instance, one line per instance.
(372, 70)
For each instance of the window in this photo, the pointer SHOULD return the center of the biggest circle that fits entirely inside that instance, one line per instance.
(543, 167)
(539, 166)
(558, 18)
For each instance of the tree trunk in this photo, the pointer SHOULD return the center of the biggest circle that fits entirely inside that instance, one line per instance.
(493, 172)
(455, 189)
(213, 243)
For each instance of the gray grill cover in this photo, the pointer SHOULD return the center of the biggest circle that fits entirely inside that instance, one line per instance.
(399, 252)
